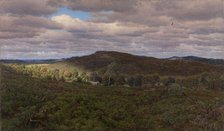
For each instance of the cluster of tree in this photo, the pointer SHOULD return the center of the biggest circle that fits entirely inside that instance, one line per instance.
(44, 72)
(32, 104)
(204, 80)
(111, 76)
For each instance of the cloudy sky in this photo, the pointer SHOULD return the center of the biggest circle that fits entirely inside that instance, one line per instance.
(42, 29)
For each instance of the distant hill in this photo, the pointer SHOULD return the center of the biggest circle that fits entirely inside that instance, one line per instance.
(29, 61)
(199, 59)
(132, 64)
(11, 61)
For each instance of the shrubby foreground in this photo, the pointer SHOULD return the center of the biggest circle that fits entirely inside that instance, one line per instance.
(30, 103)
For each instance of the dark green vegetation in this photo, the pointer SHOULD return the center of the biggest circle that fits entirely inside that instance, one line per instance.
(199, 59)
(34, 104)
(131, 64)
(133, 93)
(121, 69)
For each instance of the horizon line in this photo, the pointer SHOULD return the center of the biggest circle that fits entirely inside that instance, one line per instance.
(31, 59)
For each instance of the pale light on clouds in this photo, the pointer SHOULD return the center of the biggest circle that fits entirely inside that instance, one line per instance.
(160, 28)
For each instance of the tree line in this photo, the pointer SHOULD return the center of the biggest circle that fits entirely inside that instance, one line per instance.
(110, 76)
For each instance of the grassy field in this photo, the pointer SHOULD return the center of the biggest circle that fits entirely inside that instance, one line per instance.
(35, 104)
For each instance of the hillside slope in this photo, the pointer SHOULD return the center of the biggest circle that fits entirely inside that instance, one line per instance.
(131, 64)
(199, 59)
(35, 105)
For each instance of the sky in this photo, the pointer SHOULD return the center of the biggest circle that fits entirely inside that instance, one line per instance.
(46, 29)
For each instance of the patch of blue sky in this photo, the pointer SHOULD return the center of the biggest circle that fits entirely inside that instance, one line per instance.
(75, 14)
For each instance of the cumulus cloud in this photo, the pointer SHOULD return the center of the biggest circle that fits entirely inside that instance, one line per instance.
(115, 28)
(26, 7)
(24, 26)
(99, 5)
(160, 28)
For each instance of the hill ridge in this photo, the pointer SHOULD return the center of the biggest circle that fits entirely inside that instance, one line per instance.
(134, 64)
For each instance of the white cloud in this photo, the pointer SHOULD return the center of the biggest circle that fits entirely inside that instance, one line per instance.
(160, 28)
(115, 28)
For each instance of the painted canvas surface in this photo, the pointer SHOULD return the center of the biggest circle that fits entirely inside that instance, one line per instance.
(68, 65)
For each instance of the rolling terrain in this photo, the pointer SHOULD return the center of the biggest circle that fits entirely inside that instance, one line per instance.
(131, 64)
(38, 104)
(199, 59)
(123, 69)
(111, 90)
